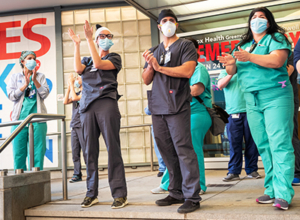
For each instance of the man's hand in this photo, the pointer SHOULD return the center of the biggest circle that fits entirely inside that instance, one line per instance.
(151, 60)
(242, 55)
(145, 54)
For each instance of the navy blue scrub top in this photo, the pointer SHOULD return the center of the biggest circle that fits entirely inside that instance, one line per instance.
(98, 83)
(75, 123)
(170, 95)
(293, 78)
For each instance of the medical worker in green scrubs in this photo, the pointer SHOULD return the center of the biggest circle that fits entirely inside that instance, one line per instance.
(260, 62)
(200, 121)
(28, 89)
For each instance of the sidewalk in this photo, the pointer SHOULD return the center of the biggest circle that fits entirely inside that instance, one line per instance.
(236, 201)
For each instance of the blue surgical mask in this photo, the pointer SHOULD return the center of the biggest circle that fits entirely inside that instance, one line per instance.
(30, 64)
(76, 84)
(258, 25)
(105, 44)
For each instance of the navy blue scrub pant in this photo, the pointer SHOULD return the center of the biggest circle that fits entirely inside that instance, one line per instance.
(295, 140)
(103, 116)
(77, 143)
(174, 141)
(237, 130)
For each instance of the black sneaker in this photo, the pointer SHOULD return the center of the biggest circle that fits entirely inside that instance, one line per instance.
(119, 203)
(88, 202)
(160, 174)
(188, 206)
(169, 200)
(231, 177)
(75, 179)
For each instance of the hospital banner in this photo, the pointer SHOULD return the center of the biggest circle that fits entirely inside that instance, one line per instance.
(212, 45)
(34, 32)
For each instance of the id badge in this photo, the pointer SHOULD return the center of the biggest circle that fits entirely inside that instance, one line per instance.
(168, 57)
(31, 94)
(235, 115)
(93, 69)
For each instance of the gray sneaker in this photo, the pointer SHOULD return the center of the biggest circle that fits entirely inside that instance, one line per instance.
(265, 199)
(281, 204)
(253, 175)
(159, 190)
(231, 177)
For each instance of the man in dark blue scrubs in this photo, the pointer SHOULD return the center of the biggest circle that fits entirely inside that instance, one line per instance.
(169, 66)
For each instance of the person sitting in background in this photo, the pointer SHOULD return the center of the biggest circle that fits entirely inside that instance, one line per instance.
(77, 140)
(294, 63)
(28, 90)
(238, 130)
(161, 164)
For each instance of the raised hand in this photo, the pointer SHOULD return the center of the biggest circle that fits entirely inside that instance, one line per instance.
(75, 38)
(145, 54)
(242, 55)
(88, 30)
(34, 75)
(226, 59)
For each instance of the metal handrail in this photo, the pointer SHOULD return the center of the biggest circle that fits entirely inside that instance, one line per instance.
(40, 118)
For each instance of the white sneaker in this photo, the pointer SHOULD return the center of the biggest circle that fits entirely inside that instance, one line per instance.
(159, 190)
(201, 192)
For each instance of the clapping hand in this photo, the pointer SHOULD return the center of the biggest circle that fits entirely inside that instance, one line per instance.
(88, 31)
(75, 38)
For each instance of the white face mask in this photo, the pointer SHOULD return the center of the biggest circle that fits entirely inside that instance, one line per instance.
(168, 29)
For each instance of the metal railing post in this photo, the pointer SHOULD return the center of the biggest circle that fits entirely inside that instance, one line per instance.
(151, 148)
(64, 159)
(31, 146)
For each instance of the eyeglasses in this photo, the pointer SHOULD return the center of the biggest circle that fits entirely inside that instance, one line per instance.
(103, 36)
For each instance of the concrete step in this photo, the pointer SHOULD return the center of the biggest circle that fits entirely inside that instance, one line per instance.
(226, 202)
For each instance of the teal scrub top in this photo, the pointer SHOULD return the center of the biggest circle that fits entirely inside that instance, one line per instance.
(234, 97)
(201, 75)
(29, 104)
(253, 77)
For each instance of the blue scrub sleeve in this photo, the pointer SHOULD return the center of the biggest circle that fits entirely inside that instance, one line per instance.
(87, 61)
(116, 60)
(282, 44)
(189, 52)
(291, 59)
(297, 53)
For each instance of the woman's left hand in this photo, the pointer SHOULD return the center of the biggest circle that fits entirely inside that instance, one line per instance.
(242, 55)
(34, 75)
(88, 31)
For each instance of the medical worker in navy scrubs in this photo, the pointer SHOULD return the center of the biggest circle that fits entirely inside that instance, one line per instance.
(99, 112)
(168, 67)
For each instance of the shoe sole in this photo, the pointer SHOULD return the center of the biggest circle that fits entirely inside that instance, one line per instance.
(224, 180)
(160, 192)
(124, 204)
(296, 184)
(188, 211)
(71, 181)
(93, 203)
(280, 207)
(266, 202)
(168, 204)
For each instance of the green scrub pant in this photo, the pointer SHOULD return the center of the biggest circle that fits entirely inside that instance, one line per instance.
(270, 117)
(21, 146)
(200, 123)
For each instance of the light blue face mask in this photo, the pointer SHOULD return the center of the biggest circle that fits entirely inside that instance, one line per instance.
(105, 44)
(258, 25)
(30, 64)
(76, 84)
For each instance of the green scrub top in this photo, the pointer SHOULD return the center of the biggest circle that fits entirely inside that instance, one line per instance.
(234, 97)
(253, 77)
(29, 104)
(201, 75)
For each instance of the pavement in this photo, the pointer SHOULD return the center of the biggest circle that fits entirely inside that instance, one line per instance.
(222, 200)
